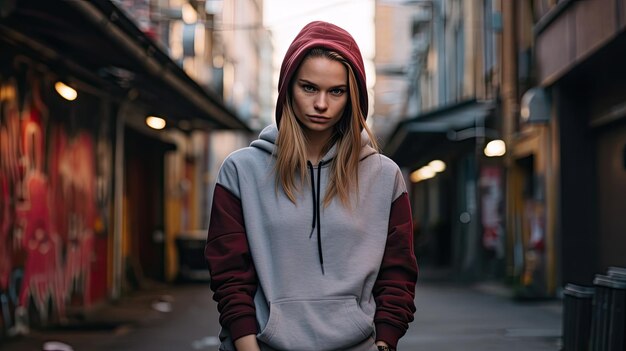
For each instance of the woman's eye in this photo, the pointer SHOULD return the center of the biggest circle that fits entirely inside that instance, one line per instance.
(308, 88)
(337, 91)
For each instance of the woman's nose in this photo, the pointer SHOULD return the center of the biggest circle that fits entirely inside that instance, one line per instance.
(321, 103)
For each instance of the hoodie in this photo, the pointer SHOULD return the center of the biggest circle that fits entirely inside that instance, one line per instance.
(308, 277)
(324, 35)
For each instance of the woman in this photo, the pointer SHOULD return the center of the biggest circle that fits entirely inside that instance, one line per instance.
(310, 244)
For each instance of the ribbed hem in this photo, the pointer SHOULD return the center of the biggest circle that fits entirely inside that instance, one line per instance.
(243, 326)
(389, 334)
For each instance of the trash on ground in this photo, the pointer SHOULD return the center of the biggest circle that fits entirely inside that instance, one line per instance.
(162, 306)
(56, 346)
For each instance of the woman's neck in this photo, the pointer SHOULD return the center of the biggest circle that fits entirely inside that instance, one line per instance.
(314, 153)
(316, 144)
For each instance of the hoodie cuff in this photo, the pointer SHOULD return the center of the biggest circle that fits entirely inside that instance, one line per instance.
(389, 334)
(243, 326)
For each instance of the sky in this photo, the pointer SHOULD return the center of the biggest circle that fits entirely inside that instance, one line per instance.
(285, 18)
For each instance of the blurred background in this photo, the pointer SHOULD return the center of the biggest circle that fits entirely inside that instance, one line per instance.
(507, 118)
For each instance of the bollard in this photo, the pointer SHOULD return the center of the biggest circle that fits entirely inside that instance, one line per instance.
(617, 273)
(608, 314)
(577, 317)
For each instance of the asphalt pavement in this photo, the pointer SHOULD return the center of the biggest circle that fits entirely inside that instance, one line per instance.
(481, 317)
(183, 317)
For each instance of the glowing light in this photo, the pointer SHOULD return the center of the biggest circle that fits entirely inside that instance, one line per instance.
(423, 173)
(495, 148)
(437, 165)
(155, 122)
(67, 92)
(415, 177)
(426, 172)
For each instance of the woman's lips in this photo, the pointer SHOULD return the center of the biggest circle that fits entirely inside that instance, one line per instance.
(318, 119)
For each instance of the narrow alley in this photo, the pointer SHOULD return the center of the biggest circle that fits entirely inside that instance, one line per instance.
(504, 123)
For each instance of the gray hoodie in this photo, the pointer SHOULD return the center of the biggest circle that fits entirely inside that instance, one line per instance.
(315, 274)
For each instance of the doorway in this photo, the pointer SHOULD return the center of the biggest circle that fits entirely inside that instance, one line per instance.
(611, 187)
(144, 206)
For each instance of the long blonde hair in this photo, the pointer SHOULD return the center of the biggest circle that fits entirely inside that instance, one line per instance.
(292, 143)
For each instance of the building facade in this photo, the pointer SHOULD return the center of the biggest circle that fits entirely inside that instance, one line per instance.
(93, 201)
(543, 76)
(448, 114)
(578, 49)
(531, 162)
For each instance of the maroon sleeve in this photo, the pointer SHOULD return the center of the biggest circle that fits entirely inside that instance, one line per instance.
(233, 277)
(394, 289)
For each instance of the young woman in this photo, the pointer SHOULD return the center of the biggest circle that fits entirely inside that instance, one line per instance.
(310, 244)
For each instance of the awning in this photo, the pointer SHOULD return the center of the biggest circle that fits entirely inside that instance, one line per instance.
(95, 41)
(437, 132)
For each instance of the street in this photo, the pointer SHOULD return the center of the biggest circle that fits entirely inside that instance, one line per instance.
(482, 318)
(449, 317)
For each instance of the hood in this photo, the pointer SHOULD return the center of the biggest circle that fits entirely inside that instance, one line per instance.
(267, 142)
(325, 35)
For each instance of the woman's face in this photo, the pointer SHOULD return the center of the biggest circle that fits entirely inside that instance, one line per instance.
(320, 94)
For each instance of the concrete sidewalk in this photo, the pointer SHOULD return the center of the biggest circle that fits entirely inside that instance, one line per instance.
(481, 317)
(141, 309)
(183, 317)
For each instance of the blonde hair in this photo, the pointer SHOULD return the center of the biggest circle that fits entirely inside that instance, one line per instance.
(292, 143)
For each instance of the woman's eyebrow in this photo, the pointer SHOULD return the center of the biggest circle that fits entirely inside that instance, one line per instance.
(300, 80)
(306, 82)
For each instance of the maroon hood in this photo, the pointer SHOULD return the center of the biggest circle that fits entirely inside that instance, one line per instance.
(325, 35)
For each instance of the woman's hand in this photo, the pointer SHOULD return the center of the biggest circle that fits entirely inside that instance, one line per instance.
(247, 343)
(383, 344)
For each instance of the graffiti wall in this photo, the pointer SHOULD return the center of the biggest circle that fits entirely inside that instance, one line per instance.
(54, 201)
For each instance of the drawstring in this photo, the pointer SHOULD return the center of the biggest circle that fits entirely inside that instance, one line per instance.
(316, 210)
(313, 195)
(319, 234)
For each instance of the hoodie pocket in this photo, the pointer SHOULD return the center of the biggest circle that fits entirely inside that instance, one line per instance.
(321, 324)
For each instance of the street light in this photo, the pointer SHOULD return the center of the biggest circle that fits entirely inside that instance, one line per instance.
(155, 122)
(67, 92)
(495, 148)
(437, 165)
(428, 171)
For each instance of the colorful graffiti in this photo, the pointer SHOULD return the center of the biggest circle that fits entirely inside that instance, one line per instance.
(49, 211)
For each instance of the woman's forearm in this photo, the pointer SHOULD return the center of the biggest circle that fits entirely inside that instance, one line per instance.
(247, 343)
